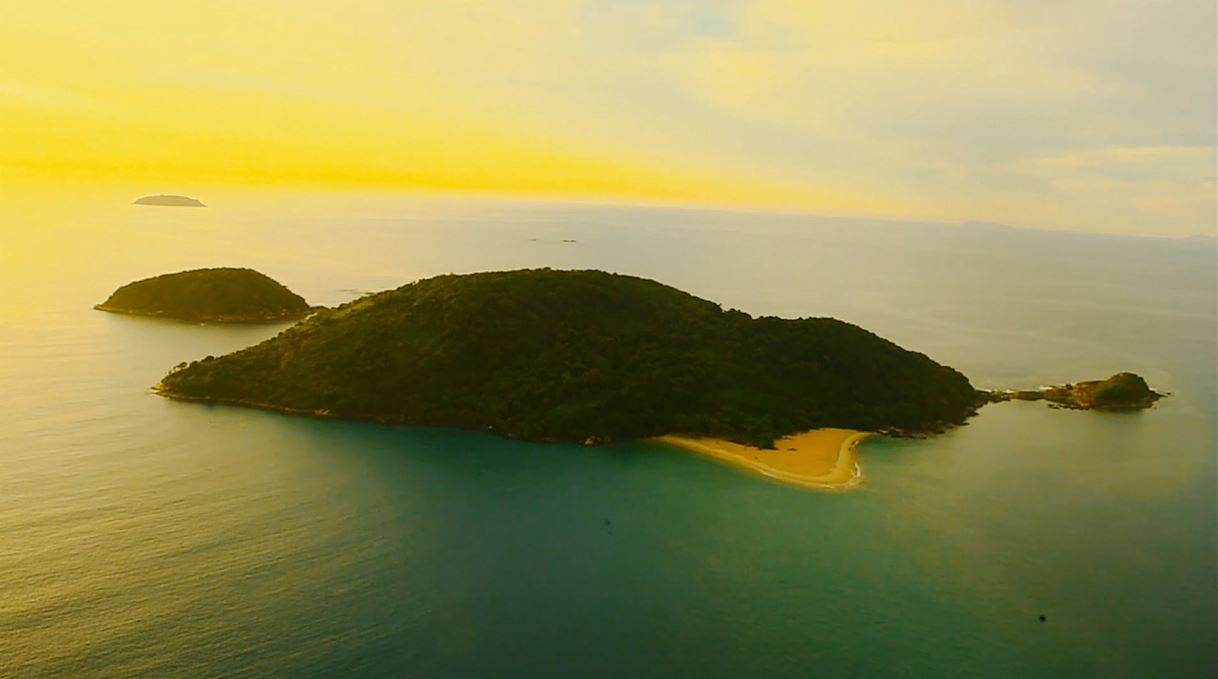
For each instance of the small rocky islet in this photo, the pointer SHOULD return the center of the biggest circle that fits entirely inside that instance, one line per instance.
(216, 295)
(1122, 392)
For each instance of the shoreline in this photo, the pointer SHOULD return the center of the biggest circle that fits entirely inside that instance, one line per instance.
(204, 318)
(822, 459)
(819, 459)
(161, 391)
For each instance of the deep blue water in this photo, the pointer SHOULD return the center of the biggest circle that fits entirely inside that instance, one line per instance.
(140, 536)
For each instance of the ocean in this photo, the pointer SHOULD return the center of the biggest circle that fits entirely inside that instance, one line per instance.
(145, 537)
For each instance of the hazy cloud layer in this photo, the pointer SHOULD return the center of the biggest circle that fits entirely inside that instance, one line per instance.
(1082, 115)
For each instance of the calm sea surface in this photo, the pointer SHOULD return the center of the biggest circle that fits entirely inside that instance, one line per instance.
(141, 536)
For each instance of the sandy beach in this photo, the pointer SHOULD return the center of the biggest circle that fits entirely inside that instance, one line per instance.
(821, 458)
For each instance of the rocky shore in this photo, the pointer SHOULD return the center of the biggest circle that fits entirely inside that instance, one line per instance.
(1122, 391)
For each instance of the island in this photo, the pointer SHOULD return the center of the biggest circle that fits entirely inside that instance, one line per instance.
(164, 200)
(1122, 391)
(209, 295)
(583, 356)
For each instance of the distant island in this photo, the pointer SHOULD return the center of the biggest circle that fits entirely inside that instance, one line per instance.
(582, 356)
(170, 201)
(1122, 391)
(209, 295)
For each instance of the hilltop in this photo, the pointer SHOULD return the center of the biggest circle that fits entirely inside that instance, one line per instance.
(581, 356)
(217, 295)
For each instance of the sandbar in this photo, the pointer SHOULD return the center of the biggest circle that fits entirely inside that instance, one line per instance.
(822, 458)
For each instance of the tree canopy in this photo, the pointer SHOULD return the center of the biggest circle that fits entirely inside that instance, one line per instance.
(578, 355)
(221, 294)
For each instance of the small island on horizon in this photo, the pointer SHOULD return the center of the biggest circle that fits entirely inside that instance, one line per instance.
(169, 200)
(218, 295)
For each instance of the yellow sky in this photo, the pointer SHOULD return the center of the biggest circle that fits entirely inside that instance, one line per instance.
(1097, 116)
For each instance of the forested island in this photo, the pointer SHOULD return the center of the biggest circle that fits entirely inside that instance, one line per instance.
(1122, 391)
(582, 356)
(164, 200)
(209, 295)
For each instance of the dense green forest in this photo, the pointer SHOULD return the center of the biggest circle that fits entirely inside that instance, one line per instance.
(578, 355)
(222, 294)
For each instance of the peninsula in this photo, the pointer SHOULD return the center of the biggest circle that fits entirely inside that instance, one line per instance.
(164, 200)
(209, 295)
(584, 356)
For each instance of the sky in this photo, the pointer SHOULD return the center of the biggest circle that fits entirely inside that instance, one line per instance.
(1082, 115)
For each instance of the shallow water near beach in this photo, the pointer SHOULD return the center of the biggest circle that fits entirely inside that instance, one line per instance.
(142, 536)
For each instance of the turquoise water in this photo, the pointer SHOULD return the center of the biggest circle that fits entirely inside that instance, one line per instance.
(140, 536)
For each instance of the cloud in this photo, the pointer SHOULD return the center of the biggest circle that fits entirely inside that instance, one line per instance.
(954, 102)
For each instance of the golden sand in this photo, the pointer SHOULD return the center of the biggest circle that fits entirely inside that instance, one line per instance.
(821, 458)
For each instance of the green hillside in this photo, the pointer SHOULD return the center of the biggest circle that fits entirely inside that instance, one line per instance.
(578, 355)
(222, 294)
